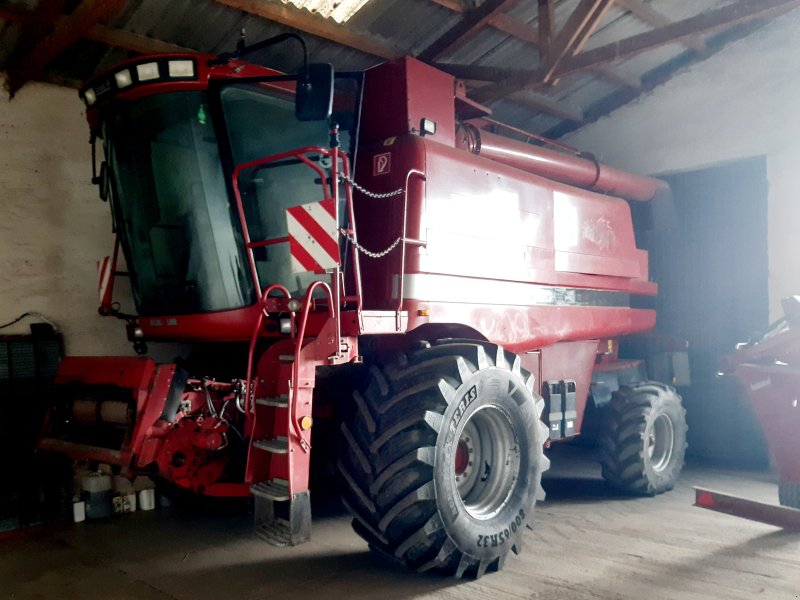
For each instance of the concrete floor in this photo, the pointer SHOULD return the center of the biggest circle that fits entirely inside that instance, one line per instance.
(588, 544)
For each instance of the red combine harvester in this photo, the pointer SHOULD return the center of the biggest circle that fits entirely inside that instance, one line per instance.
(359, 250)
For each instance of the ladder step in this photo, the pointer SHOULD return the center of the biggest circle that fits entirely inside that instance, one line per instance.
(276, 490)
(277, 532)
(278, 445)
(281, 401)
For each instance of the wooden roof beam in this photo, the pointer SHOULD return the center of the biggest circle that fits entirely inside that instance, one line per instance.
(66, 32)
(547, 20)
(515, 28)
(652, 17)
(466, 29)
(118, 38)
(308, 23)
(722, 18)
(35, 26)
(526, 33)
(619, 77)
(580, 25)
(454, 5)
(501, 21)
(128, 40)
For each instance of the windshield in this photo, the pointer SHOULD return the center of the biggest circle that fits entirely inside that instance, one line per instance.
(179, 232)
(179, 229)
(261, 123)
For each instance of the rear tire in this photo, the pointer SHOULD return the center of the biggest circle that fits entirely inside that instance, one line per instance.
(789, 494)
(644, 441)
(442, 458)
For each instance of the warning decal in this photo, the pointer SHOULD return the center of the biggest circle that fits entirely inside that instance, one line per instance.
(313, 236)
(382, 163)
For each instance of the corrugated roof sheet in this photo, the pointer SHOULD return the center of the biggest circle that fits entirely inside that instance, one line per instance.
(410, 26)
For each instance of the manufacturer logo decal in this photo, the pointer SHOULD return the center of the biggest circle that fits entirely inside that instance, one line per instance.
(600, 233)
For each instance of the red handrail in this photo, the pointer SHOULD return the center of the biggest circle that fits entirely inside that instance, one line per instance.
(332, 314)
(298, 154)
(254, 339)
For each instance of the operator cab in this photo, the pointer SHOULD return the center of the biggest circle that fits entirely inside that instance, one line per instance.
(180, 144)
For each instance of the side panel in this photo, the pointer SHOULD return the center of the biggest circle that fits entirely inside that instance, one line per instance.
(482, 218)
(493, 255)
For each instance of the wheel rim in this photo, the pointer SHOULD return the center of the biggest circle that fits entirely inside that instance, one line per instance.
(487, 462)
(660, 442)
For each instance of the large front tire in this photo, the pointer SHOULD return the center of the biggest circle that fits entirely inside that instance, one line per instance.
(644, 438)
(443, 458)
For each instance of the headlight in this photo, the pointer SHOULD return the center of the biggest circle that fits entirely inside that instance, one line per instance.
(147, 71)
(123, 78)
(181, 68)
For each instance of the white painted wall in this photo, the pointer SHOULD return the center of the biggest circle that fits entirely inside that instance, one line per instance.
(742, 102)
(53, 227)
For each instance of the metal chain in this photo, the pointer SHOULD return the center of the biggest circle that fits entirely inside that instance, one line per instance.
(366, 192)
(370, 253)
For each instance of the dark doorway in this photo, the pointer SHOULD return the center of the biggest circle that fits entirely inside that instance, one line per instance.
(708, 252)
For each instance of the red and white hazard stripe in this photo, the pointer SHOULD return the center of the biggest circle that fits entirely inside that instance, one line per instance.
(104, 269)
(313, 236)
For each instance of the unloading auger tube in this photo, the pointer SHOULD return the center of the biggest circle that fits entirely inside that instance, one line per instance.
(581, 171)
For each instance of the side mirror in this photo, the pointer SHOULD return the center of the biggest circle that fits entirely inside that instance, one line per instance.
(102, 181)
(314, 97)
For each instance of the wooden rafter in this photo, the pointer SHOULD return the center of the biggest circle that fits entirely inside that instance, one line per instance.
(35, 27)
(454, 5)
(466, 29)
(716, 20)
(132, 41)
(652, 17)
(580, 25)
(655, 77)
(619, 77)
(308, 23)
(66, 32)
(118, 38)
(514, 28)
(501, 22)
(723, 18)
(528, 34)
(547, 22)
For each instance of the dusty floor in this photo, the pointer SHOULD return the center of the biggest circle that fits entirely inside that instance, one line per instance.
(588, 544)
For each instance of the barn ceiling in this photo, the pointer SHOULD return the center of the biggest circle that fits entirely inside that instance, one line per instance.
(546, 66)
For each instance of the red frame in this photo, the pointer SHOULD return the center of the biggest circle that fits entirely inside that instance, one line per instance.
(769, 373)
